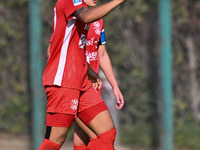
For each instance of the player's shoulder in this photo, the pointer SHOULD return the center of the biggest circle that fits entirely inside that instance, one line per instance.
(74, 2)
(100, 20)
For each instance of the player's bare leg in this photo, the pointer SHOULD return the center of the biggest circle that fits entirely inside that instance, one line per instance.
(83, 132)
(104, 127)
(102, 123)
(82, 135)
(55, 140)
(58, 134)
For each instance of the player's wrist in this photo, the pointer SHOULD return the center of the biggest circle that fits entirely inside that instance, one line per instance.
(115, 86)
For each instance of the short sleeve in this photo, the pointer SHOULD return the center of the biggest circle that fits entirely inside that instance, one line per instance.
(102, 40)
(70, 6)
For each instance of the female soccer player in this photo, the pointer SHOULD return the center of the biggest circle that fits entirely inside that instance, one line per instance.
(68, 90)
(96, 55)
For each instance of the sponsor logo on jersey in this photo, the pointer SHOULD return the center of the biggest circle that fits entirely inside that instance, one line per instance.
(90, 42)
(91, 56)
(83, 40)
(87, 26)
(74, 104)
(77, 2)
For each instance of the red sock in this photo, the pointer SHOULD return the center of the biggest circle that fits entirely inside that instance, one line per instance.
(79, 147)
(107, 139)
(49, 145)
(104, 141)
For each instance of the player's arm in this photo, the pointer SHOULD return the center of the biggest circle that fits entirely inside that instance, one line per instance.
(94, 77)
(88, 15)
(106, 67)
(91, 73)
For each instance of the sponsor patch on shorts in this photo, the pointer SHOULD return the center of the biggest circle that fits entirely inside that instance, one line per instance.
(77, 2)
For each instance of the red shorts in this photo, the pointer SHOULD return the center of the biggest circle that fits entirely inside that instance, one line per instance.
(64, 103)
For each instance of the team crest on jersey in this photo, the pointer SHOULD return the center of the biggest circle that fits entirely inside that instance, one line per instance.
(82, 41)
(74, 104)
(77, 2)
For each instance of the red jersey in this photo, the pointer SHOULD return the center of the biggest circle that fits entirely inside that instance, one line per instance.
(67, 66)
(95, 37)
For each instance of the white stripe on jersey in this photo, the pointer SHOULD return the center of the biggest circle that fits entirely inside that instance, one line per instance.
(63, 55)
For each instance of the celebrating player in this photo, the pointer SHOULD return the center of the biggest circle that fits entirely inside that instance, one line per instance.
(68, 90)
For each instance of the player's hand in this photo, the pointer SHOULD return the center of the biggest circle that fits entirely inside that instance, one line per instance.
(97, 84)
(119, 98)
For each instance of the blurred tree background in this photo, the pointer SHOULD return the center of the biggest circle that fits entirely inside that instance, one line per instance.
(133, 45)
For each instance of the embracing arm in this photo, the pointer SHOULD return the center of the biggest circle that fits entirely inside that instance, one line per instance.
(94, 77)
(106, 67)
(88, 15)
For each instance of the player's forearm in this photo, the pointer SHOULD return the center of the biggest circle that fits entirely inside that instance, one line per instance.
(91, 73)
(106, 67)
(93, 14)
